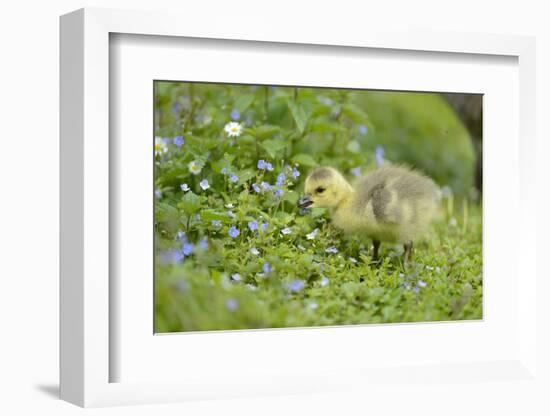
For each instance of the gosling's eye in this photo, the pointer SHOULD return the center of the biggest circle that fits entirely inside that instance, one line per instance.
(320, 190)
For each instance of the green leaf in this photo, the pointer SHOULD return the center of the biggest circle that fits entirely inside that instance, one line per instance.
(291, 197)
(354, 113)
(273, 146)
(212, 215)
(190, 203)
(218, 165)
(243, 102)
(304, 160)
(263, 131)
(299, 114)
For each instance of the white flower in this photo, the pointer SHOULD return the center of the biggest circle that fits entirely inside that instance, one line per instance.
(353, 260)
(233, 129)
(254, 251)
(229, 206)
(194, 167)
(204, 184)
(324, 281)
(160, 146)
(312, 234)
(286, 231)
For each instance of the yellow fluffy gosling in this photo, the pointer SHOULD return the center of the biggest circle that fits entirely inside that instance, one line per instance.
(393, 203)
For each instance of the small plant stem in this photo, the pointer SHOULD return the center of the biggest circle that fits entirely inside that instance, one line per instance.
(450, 207)
(464, 215)
(266, 102)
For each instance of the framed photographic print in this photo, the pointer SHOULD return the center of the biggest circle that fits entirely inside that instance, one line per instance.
(237, 221)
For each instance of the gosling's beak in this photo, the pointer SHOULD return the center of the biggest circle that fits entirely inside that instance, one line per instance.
(305, 201)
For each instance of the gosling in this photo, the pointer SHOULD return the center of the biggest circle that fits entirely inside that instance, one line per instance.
(392, 204)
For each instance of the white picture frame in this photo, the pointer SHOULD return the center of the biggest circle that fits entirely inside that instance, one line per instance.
(86, 355)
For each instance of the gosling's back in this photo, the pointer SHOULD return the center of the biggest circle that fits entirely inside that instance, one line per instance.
(396, 202)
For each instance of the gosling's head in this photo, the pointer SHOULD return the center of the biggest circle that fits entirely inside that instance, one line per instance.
(325, 188)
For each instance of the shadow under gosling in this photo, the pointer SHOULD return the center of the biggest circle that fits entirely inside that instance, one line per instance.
(393, 203)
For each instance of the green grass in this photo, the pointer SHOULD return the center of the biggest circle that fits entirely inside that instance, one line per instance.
(443, 282)
(209, 278)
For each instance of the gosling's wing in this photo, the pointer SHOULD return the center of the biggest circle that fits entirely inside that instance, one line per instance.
(385, 205)
(376, 200)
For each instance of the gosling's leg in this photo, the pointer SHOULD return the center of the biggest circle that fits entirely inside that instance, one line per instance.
(408, 251)
(375, 248)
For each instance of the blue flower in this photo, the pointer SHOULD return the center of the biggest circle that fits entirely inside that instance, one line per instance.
(332, 249)
(379, 155)
(158, 193)
(266, 186)
(224, 171)
(171, 256)
(232, 304)
(256, 188)
(295, 173)
(203, 243)
(180, 236)
(269, 166)
(355, 171)
(176, 107)
(253, 225)
(235, 115)
(446, 191)
(184, 187)
(187, 249)
(295, 285)
(266, 267)
(254, 251)
(216, 223)
(363, 129)
(421, 283)
(234, 232)
(204, 184)
(236, 277)
(286, 231)
(261, 164)
(264, 226)
(279, 192)
(416, 289)
(178, 141)
(324, 281)
(233, 178)
(280, 179)
(248, 121)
